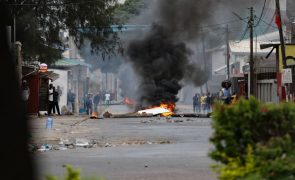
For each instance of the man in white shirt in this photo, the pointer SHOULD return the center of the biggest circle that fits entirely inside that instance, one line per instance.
(107, 98)
(50, 99)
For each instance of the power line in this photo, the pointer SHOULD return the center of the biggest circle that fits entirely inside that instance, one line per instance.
(240, 18)
(262, 11)
(56, 4)
(274, 26)
(223, 23)
(244, 34)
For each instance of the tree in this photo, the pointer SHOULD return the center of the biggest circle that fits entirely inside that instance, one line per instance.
(129, 9)
(39, 23)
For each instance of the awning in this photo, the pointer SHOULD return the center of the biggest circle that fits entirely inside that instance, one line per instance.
(49, 74)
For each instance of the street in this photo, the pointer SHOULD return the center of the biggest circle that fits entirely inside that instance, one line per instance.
(127, 148)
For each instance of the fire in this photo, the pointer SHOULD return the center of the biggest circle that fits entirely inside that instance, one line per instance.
(163, 109)
(169, 106)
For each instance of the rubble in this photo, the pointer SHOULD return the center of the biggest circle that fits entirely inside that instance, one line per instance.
(81, 142)
(66, 144)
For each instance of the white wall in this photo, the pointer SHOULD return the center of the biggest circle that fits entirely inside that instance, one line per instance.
(62, 82)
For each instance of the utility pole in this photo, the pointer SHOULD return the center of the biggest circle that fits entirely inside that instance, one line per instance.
(251, 62)
(204, 60)
(18, 47)
(227, 53)
(278, 14)
(282, 43)
(293, 31)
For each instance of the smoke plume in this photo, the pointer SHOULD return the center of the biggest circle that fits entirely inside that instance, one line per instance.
(162, 58)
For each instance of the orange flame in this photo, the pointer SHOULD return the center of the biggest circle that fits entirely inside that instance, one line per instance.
(169, 106)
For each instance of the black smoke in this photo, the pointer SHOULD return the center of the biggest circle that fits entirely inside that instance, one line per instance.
(162, 59)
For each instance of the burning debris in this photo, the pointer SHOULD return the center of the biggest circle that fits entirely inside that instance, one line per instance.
(163, 110)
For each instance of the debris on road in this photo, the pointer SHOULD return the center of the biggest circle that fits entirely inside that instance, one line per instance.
(154, 111)
(81, 142)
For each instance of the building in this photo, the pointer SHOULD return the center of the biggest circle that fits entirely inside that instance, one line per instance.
(38, 83)
(74, 76)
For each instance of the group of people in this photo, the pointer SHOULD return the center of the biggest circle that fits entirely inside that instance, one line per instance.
(202, 103)
(91, 102)
(53, 100)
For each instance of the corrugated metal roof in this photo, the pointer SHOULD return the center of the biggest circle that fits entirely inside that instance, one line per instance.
(243, 47)
(67, 62)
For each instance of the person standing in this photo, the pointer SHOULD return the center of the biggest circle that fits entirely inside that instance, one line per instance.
(89, 104)
(203, 102)
(25, 89)
(58, 89)
(195, 103)
(50, 99)
(55, 101)
(71, 100)
(208, 102)
(96, 100)
(225, 93)
(107, 98)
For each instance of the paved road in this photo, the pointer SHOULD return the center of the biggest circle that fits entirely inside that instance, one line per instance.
(153, 148)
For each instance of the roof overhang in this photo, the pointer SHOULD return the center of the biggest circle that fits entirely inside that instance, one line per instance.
(47, 75)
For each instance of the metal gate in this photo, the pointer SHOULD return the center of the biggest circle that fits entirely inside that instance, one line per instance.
(267, 91)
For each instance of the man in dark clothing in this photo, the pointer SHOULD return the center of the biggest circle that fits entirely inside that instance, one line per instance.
(96, 100)
(55, 101)
(89, 104)
(71, 100)
(196, 103)
(208, 102)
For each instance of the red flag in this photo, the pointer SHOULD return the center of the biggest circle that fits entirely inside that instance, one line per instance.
(278, 19)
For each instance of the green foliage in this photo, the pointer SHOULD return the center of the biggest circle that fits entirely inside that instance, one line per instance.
(40, 22)
(129, 9)
(73, 174)
(235, 168)
(269, 129)
(276, 159)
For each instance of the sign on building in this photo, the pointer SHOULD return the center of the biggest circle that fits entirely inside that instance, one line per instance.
(287, 76)
(43, 67)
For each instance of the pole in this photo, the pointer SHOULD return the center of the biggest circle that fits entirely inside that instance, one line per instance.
(8, 35)
(205, 62)
(278, 11)
(293, 31)
(18, 47)
(251, 62)
(14, 29)
(227, 53)
(279, 24)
